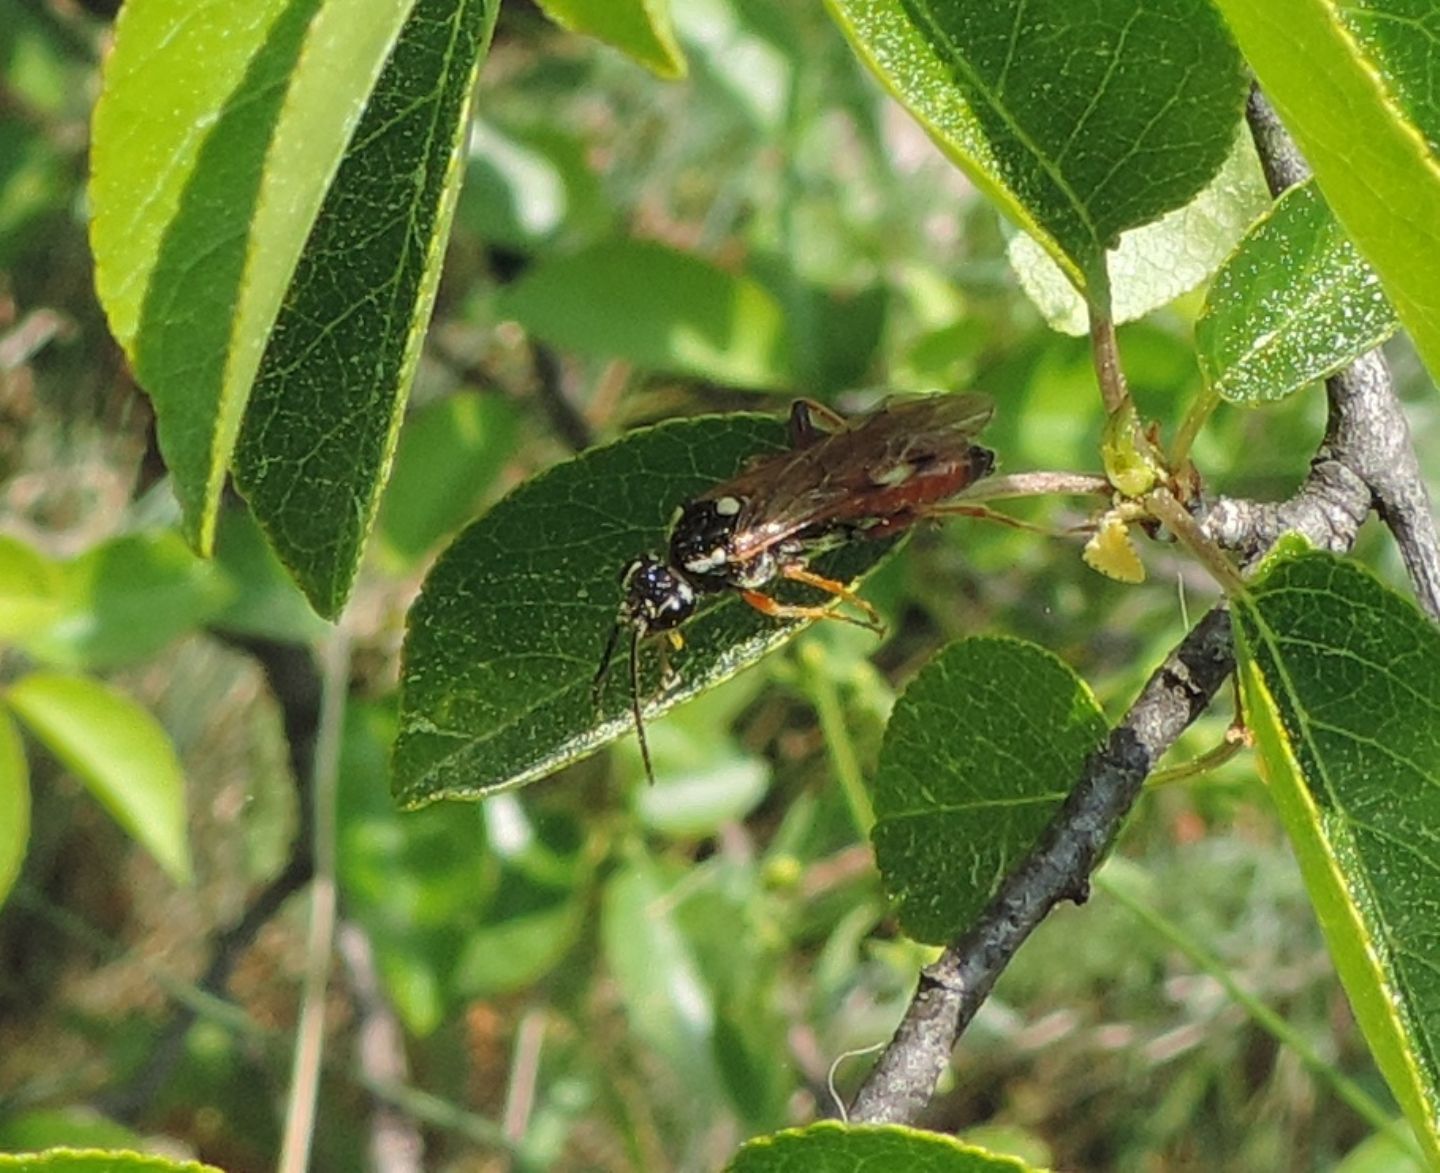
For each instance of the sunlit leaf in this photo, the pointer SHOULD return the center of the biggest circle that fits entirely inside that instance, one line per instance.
(639, 28)
(1079, 121)
(983, 745)
(1157, 262)
(14, 805)
(217, 133)
(1293, 304)
(1341, 686)
(30, 589)
(118, 750)
(667, 1003)
(1362, 109)
(832, 1147)
(321, 424)
(67, 1160)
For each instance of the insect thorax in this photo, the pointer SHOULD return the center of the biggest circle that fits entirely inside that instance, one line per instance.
(702, 539)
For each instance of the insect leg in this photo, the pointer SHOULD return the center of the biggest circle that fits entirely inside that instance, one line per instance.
(798, 573)
(987, 514)
(778, 610)
(803, 429)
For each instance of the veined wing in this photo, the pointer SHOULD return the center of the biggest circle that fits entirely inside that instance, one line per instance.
(911, 452)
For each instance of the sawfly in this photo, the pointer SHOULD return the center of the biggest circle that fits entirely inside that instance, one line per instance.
(841, 480)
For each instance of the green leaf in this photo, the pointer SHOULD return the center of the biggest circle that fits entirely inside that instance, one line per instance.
(832, 1147)
(669, 1006)
(529, 187)
(639, 28)
(73, 1126)
(320, 428)
(1294, 303)
(97, 1161)
(1341, 686)
(217, 134)
(414, 881)
(1399, 36)
(30, 589)
(507, 634)
(662, 310)
(125, 599)
(1158, 262)
(1079, 121)
(1338, 88)
(983, 746)
(1381, 1152)
(449, 454)
(14, 805)
(264, 600)
(119, 751)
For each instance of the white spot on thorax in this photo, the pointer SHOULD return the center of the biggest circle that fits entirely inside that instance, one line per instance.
(727, 506)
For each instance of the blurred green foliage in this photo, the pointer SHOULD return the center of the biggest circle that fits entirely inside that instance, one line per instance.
(654, 974)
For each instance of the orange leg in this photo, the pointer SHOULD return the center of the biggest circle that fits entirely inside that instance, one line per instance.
(778, 610)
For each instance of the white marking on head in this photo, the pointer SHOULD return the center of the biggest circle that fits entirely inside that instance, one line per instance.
(727, 506)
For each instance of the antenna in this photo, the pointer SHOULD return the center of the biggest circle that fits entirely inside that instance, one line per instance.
(635, 703)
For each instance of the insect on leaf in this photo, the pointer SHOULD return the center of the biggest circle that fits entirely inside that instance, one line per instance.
(504, 641)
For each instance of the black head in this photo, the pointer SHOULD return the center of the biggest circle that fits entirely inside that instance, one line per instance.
(701, 541)
(657, 597)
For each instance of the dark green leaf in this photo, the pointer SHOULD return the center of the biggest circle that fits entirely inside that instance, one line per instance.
(119, 751)
(503, 643)
(660, 309)
(14, 805)
(1080, 121)
(639, 28)
(1341, 685)
(323, 414)
(1293, 304)
(449, 454)
(832, 1147)
(983, 746)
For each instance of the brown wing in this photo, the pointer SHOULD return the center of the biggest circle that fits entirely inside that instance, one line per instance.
(885, 466)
